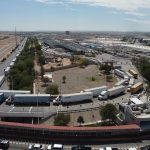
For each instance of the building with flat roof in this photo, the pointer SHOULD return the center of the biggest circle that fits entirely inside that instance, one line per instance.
(135, 111)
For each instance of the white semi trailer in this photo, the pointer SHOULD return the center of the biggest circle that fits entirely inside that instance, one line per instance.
(111, 92)
(121, 82)
(119, 73)
(7, 70)
(73, 98)
(96, 91)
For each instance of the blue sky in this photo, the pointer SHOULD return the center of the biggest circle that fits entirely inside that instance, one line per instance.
(75, 15)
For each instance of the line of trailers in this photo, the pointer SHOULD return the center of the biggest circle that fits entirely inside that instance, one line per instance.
(26, 98)
(72, 135)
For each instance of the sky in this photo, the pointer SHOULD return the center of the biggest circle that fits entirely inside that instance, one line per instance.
(75, 15)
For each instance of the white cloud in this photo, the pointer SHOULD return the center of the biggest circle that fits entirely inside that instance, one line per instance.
(132, 7)
(145, 22)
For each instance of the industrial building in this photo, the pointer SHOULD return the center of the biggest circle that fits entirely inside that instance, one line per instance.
(135, 111)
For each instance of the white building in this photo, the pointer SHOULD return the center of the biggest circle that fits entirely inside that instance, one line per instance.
(135, 111)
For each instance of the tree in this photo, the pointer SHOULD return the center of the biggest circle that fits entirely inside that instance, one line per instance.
(52, 89)
(108, 111)
(83, 62)
(45, 80)
(64, 79)
(80, 120)
(109, 78)
(62, 119)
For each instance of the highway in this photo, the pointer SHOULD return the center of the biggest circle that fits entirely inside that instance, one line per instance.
(6, 63)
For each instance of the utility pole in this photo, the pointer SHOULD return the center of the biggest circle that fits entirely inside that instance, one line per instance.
(15, 37)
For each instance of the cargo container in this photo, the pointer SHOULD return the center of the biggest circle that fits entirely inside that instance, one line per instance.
(2, 79)
(72, 98)
(136, 88)
(8, 93)
(134, 73)
(115, 91)
(119, 73)
(27, 99)
(96, 91)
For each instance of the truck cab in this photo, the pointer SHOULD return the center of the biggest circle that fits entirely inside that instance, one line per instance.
(57, 101)
(103, 95)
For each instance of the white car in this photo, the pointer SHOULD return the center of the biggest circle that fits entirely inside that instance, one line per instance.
(38, 146)
(30, 146)
(49, 147)
(35, 147)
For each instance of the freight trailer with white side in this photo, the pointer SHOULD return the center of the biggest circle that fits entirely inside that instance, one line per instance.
(34, 99)
(6, 71)
(115, 91)
(8, 93)
(96, 91)
(119, 73)
(73, 98)
(121, 82)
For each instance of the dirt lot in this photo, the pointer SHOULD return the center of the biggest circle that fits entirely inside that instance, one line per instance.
(7, 44)
(61, 62)
(78, 79)
(88, 116)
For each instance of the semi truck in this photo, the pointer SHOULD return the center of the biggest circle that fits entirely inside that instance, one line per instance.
(73, 98)
(121, 82)
(115, 91)
(6, 71)
(27, 99)
(96, 91)
(129, 75)
(136, 88)
(134, 73)
(131, 83)
(119, 73)
(8, 93)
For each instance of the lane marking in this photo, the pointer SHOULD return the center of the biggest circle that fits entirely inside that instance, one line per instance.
(11, 109)
(30, 109)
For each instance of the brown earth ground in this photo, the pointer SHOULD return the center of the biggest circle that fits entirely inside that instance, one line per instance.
(7, 44)
(88, 116)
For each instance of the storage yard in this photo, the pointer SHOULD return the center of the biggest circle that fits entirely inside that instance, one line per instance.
(77, 79)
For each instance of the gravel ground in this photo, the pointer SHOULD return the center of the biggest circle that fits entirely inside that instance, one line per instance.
(88, 116)
(77, 79)
(7, 45)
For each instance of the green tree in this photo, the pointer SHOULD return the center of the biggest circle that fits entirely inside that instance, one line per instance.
(109, 78)
(52, 89)
(62, 119)
(83, 62)
(80, 120)
(108, 111)
(45, 80)
(63, 79)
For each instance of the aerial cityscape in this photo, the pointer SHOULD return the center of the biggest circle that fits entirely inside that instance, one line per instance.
(75, 75)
